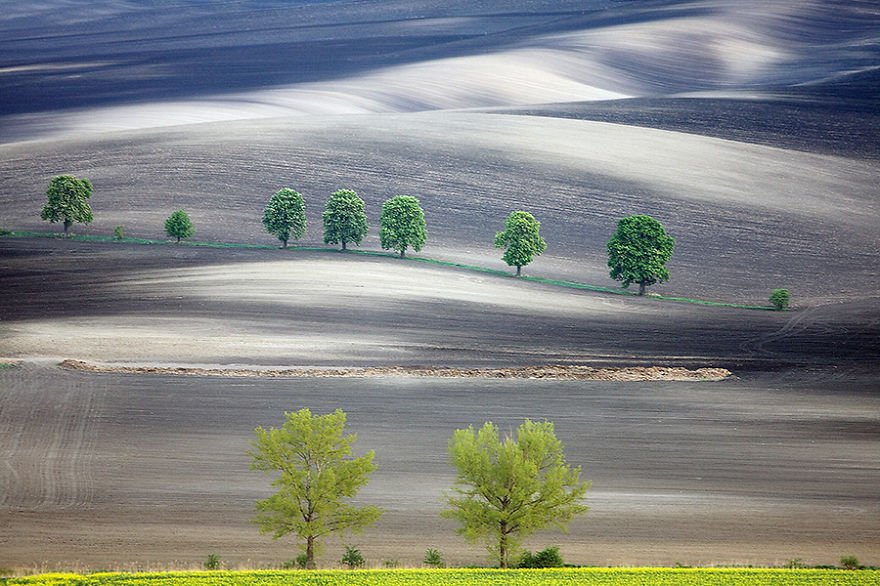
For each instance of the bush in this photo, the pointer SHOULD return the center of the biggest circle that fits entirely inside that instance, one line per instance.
(780, 299)
(119, 232)
(297, 563)
(390, 564)
(795, 564)
(353, 558)
(850, 562)
(547, 558)
(433, 558)
(213, 562)
(5, 232)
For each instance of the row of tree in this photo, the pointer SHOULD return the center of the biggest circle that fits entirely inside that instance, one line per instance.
(637, 251)
(506, 487)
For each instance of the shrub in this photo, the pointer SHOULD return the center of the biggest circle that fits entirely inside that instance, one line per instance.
(5, 232)
(547, 558)
(353, 558)
(297, 563)
(794, 564)
(390, 564)
(850, 562)
(433, 558)
(213, 562)
(119, 232)
(780, 299)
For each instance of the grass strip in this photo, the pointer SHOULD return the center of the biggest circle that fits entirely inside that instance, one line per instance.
(455, 577)
(374, 253)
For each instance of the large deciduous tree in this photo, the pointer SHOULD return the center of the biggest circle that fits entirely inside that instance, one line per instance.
(285, 215)
(521, 238)
(402, 224)
(638, 252)
(316, 478)
(508, 488)
(68, 201)
(178, 225)
(344, 218)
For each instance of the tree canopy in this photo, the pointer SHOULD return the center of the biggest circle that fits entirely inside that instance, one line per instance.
(402, 224)
(68, 201)
(507, 489)
(285, 215)
(638, 252)
(521, 238)
(317, 476)
(178, 225)
(344, 218)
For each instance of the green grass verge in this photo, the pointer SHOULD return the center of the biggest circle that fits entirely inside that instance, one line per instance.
(449, 577)
(431, 261)
(7, 365)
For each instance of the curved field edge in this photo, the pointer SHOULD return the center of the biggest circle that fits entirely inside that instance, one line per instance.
(548, 577)
(419, 259)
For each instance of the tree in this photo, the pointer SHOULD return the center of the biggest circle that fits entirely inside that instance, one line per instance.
(521, 238)
(402, 224)
(638, 252)
(507, 489)
(344, 218)
(178, 225)
(68, 201)
(317, 476)
(285, 215)
(780, 298)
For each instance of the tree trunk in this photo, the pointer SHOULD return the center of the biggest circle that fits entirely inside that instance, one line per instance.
(402, 251)
(502, 545)
(178, 239)
(67, 224)
(310, 553)
(642, 288)
(518, 270)
(343, 245)
(285, 243)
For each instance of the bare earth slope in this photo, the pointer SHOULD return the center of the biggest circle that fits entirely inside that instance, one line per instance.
(748, 128)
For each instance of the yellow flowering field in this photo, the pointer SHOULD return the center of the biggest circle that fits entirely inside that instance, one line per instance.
(549, 577)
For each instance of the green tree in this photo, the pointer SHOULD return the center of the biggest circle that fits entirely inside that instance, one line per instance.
(68, 201)
(317, 477)
(344, 218)
(521, 238)
(780, 298)
(638, 252)
(510, 488)
(178, 225)
(402, 224)
(285, 215)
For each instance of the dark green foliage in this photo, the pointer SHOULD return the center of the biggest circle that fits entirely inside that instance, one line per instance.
(638, 252)
(433, 558)
(353, 557)
(850, 562)
(4, 232)
(546, 558)
(178, 225)
(344, 218)
(522, 240)
(119, 233)
(285, 215)
(213, 562)
(68, 201)
(402, 224)
(297, 563)
(780, 299)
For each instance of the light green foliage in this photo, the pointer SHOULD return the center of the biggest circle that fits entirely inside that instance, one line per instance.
(317, 475)
(285, 215)
(213, 562)
(68, 201)
(463, 577)
(849, 562)
(178, 225)
(353, 558)
(402, 224)
(433, 558)
(638, 252)
(510, 488)
(522, 240)
(119, 232)
(344, 218)
(780, 298)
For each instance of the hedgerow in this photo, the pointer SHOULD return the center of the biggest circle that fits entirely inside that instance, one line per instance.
(455, 577)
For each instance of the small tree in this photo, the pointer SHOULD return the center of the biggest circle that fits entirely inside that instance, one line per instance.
(68, 201)
(402, 224)
(178, 225)
(638, 252)
(521, 238)
(433, 558)
(285, 215)
(353, 558)
(344, 218)
(509, 488)
(213, 562)
(780, 299)
(119, 233)
(317, 477)
(850, 562)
